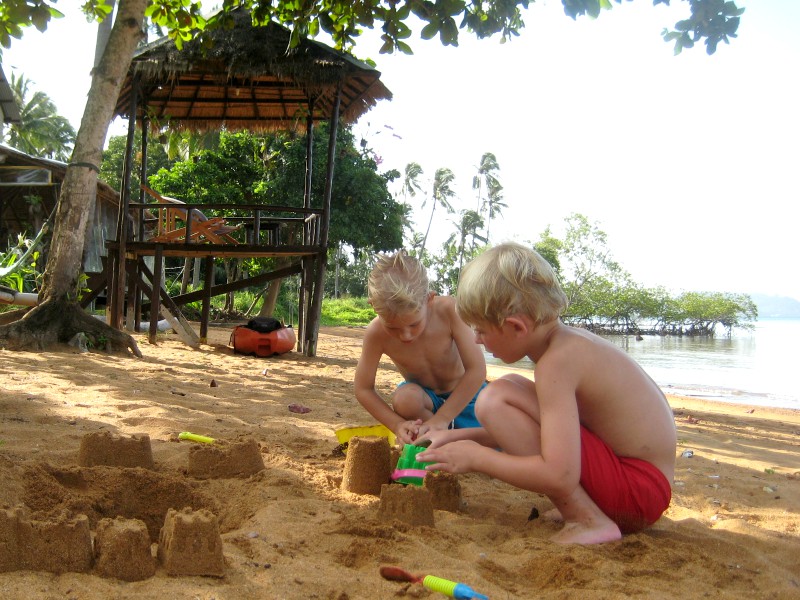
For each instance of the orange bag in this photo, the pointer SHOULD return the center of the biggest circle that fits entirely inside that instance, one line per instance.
(247, 341)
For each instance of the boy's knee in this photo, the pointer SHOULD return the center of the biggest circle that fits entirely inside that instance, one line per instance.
(408, 399)
(487, 399)
(492, 397)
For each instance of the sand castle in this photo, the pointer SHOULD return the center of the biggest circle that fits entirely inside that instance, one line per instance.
(186, 542)
(225, 459)
(368, 467)
(135, 533)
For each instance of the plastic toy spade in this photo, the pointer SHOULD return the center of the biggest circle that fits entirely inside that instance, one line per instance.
(193, 437)
(437, 584)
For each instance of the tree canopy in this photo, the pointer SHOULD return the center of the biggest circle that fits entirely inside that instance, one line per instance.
(711, 21)
(270, 170)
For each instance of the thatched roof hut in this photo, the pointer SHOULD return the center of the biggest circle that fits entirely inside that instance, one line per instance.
(247, 77)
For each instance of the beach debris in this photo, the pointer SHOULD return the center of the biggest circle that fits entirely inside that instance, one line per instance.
(299, 409)
(213, 383)
(769, 489)
(687, 454)
(751, 411)
(691, 420)
(534, 514)
(265, 372)
(177, 393)
(80, 341)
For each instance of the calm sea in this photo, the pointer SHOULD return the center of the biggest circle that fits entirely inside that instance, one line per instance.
(750, 367)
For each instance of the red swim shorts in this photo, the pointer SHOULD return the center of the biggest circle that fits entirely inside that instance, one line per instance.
(632, 492)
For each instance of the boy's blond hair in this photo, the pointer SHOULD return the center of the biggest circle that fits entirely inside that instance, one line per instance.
(398, 284)
(509, 279)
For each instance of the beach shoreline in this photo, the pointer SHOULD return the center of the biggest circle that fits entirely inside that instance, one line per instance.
(290, 531)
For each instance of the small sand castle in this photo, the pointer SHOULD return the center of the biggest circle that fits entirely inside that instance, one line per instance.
(410, 504)
(190, 544)
(104, 448)
(367, 466)
(445, 490)
(223, 460)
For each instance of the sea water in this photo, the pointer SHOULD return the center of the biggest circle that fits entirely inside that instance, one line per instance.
(748, 367)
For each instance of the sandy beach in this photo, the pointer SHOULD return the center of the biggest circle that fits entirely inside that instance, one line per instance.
(290, 531)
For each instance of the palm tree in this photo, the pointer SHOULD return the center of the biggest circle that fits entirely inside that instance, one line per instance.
(442, 192)
(42, 131)
(495, 204)
(468, 226)
(485, 176)
(411, 184)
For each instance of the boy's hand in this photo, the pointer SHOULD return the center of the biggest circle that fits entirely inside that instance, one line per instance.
(455, 457)
(432, 425)
(408, 431)
(438, 437)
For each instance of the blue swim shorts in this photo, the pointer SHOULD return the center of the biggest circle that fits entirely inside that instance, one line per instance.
(466, 418)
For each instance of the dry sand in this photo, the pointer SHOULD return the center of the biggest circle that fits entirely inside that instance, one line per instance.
(289, 531)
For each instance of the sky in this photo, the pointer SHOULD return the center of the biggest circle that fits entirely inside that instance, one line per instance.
(688, 163)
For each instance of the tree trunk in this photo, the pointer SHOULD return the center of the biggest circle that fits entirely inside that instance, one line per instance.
(57, 323)
(271, 298)
(58, 313)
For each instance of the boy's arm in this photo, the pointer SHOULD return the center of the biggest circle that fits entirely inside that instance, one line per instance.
(364, 383)
(474, 372)
(439, 438)
(556, 470)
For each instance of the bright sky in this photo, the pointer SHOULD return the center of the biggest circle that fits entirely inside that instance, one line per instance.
(690, 163)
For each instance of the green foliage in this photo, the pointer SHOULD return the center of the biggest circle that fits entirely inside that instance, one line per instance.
(346, 274)
(236, 172)
(550, 248)
(19, 273)
(346, 311)
(603, 297)
(17, 14)
(714, 21)
(41, 131)
(114, 159)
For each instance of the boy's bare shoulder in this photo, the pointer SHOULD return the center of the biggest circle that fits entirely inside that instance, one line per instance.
(570, 344)
(444, 306)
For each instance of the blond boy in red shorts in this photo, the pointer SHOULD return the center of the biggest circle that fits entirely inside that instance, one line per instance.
(594, 432)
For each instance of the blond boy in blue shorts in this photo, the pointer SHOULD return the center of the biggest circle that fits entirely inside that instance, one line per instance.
(433, 349)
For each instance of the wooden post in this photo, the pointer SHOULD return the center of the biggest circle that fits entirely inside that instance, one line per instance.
(207, 285)
(306, 286)
(319, 283)
(155, 295)
(117, 294)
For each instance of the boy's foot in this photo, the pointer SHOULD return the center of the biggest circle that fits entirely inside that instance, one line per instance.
(553, 515)
(580, 533)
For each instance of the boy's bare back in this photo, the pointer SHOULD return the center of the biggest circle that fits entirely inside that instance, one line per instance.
(615, 398)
